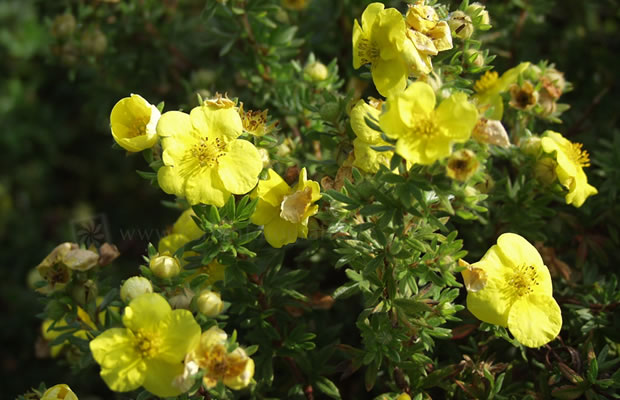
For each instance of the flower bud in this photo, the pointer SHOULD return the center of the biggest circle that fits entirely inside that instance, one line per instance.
(544, 170)
(264, 156)
(531, 145)
(59, 392)
(461, 25)
(165, 266)
(474, 57)
(477, 9)
(329, 111)
(316, 71)
(209, 303)
(403, 396)
(134, 287)
(63, 25)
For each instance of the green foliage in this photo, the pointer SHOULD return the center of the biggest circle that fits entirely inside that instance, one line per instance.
(372, 304)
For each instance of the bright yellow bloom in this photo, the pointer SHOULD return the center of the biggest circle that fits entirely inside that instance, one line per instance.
(489, 87)
(511, 286)
(59, 392)
(203, 159)
(133, 122)
(381, 41)
(284, 211)
(571, 159)
(366, 158)
(425, 134)
(150, 349)
(255, 122)
(234, 369)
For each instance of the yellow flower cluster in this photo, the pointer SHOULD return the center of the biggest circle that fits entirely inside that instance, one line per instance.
(396, 46)
(158, 345)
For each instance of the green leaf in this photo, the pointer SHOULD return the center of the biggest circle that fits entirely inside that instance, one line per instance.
(328, 387)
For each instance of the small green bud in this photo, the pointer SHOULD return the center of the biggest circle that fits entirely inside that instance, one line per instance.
(329, 111)
(134, 287)
(165, 266)
(474, 57)
(209, 303)
(84, 292)
(461, 25)
(317, 71)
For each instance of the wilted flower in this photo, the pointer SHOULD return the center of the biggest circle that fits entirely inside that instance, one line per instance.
(462, 165)
(234, 369)
(523, 97)
(492, 132)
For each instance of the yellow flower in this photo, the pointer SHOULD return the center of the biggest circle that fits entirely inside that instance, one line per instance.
(133, 122)
(511, 286)
(366, 158)
(203, 159)
(284, 211)
(234, 369)
(59, 392)
(425, 134)
(50, 335)
(381, 41)
(489, 87)
(571, 159)
(150, 349)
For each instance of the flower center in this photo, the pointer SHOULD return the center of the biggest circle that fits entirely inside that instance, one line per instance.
(216, 362)
(486, 81)
(579, 155)
(207, 154)
(147, 343)
(426, 128)
(138, 127)
(523, 281)
(294, 206)
(368, 51)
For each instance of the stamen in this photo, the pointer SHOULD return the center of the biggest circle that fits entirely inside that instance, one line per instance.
(425, 127)
(147, 344)
(207, 154)
(486, 81)
(522, 281)
(579, 155)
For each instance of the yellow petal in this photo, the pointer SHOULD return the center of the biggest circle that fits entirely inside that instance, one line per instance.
(280, 232)
(160, 377)
(238, 169)
(264, 213)
(146, 312)
(579, 189)
(206, 187)
(170, 181)
(122, 368)
(133, 121)
(186, 226)
(441, 36)
(358, 122)
(369, 160)
(171, 243)
(457, 116)
(517, 251)
(423, 43)
(174, 123)
(535, 320)
(490, 304)
(304, 183)
(242, 380)
(179, 333)
(370, 15)
(403, 109)
(389, 76)
(216, 122)
(273, 189)
(358, 37)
